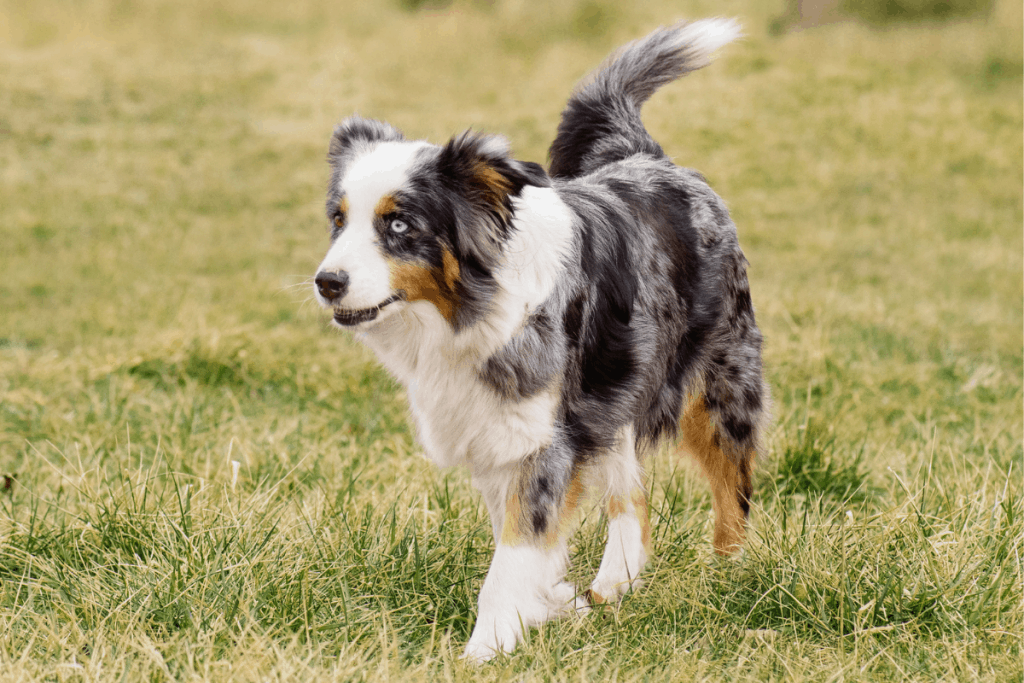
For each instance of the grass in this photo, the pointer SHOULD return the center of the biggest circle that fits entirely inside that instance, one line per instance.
(203, 482)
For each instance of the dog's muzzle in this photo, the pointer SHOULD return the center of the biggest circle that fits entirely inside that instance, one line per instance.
(333, 286)
(365, 315)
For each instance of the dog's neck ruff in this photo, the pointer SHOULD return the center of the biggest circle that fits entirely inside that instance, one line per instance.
(460, 419)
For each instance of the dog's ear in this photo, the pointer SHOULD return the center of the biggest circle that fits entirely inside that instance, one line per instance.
(480, 169)
(356, 132)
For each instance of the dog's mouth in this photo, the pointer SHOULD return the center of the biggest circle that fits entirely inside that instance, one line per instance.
(349, 317)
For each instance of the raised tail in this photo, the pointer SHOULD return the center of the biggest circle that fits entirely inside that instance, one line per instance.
(601, 122)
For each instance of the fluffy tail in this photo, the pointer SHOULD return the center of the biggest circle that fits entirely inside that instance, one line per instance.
(601, 123)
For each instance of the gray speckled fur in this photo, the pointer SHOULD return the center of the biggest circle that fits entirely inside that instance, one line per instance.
(530, 360)
(654, 305)
(545, 479)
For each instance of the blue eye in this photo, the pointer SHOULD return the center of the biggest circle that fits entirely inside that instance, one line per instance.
(398, 226)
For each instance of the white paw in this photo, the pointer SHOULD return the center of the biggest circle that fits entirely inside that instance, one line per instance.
(494, 634)
(607, 589)
(624, 558)
(566, 601)
(523, 588)
(487, 643)
(478, 652)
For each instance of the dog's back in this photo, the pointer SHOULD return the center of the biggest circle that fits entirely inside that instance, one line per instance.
(671, 250)
(651, 330)
(673, 269)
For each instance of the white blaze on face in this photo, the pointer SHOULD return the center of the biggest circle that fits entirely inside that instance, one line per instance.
(357, 249)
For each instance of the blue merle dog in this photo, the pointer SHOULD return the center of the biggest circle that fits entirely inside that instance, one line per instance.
(551, 327)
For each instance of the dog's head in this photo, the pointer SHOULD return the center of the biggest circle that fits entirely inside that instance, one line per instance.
(411, 221)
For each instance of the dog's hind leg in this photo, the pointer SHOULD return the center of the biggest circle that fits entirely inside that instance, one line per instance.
(722, 425)
(629, 530)
(532, 504)
(728, 473)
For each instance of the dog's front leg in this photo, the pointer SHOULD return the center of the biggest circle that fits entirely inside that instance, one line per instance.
(530, 505)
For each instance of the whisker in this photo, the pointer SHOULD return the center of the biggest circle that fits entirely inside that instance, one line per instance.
(304, 282)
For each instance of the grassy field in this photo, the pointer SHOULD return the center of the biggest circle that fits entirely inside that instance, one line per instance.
(202, 481)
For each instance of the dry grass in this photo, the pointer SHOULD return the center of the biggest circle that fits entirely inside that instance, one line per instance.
(161, 177)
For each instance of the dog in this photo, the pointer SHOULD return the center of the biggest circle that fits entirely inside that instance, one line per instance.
(550, 327)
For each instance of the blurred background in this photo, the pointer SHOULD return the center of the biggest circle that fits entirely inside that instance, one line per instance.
(163, 162)
(162, 175)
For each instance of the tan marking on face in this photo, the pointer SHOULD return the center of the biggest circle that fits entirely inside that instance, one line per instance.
(386, 205)
(423, 283)
(339, 221)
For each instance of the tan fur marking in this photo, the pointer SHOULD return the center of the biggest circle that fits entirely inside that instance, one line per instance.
(643, 515)
(700, 441)
(343, 208)
(423, 283)
(616, 506)
(512, 527)
(450, 269)
(573, 497)
(636, 505)
(385, 205)
(516, 528)
(495, 185)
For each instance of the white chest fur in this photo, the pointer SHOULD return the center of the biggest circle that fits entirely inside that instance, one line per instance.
(459, 419)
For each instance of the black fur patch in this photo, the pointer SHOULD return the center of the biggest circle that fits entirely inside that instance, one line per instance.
(746, 488)
(486, 178)
(595, 131)
(601, 122)
(466, 192)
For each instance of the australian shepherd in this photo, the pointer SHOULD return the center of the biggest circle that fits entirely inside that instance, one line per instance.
(550, 327)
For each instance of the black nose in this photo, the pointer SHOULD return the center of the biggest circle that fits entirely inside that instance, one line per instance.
(331, 285)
